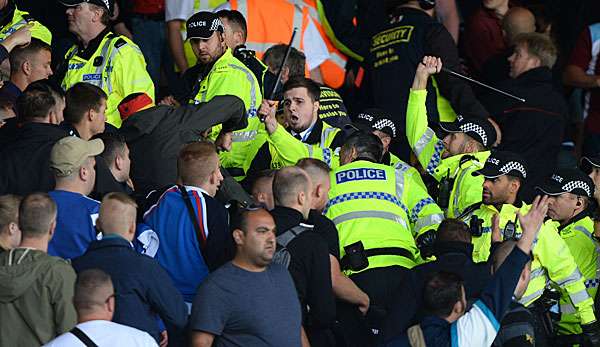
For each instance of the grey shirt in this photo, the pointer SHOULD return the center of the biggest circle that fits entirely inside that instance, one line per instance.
(243, 308)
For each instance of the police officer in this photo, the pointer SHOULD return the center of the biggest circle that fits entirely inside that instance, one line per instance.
(378, 122)
(379, 211)
(570, 192)
(235, 33)
(300, 107)
(109, 61)
(12, 19)
(503, 174)
(452, 160)
(218, 72)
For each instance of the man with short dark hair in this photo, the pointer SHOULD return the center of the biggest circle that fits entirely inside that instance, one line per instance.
(95, 301)
(85, 110)
(112, 166)
(73, 164)
(27, 64)
(453, 251)
(309, 256)
(111, 62)
(36, 290)
(145, 290)
(267, 313)
(262, 188)
(25, 149)
(192, 226)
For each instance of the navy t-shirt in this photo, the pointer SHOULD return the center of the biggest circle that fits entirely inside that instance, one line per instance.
(243, 308)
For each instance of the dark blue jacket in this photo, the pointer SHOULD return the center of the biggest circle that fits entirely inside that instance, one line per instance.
(478, 326)
(143, 289)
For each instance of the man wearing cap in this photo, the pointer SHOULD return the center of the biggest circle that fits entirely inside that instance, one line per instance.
(218, 72)
(570, 192)
(450, 160)
(72, 161)
(504, 173)
(378, 122)
(112, 62)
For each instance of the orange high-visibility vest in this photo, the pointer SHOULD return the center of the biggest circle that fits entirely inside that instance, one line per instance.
(271, 22)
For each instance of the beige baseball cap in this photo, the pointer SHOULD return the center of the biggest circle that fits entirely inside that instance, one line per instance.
(69, 153)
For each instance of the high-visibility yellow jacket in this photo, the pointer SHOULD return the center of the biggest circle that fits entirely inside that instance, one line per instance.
(19, 19)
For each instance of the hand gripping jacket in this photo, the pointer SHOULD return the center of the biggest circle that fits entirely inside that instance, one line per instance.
(229, 76)
(553, 263)
(20, 18)
(384, 208)
(466, 189)
(117, 67)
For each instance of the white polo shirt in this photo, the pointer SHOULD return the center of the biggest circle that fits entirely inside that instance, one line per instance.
(105, 333)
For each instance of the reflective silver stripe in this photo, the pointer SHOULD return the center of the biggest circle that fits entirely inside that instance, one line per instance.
(250, 78)
(100, 69)
(310, 150)
(369, 214)
(400, 170)
(14, 28)
(337, 60)
(531, 297)
(114, 52)
(244, 136)
(567, 309)
(324, 135)
(423, 141)
(458, 185)
(537, 273)
(595, 243)
(572, 278)
(579, 297)
(426, 221)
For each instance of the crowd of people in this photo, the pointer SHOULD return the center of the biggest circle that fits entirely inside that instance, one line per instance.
(298, 173)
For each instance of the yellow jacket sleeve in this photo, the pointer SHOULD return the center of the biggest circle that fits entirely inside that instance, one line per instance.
(422, 140)
(554, 256)
(289, 150)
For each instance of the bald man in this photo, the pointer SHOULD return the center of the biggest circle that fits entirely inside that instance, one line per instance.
(309, 265)
(146, 291)
(94, 301)
(518, 20)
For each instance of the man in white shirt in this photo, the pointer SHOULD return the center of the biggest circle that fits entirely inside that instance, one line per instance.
(95, 304)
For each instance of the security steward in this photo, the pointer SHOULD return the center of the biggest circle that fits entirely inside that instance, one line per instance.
(552, 264)
(218, 72)
(379, 212)
(396, 49)
(452, 160)
(300, 108)
(570, 192)
(109, 61)
(12, 19)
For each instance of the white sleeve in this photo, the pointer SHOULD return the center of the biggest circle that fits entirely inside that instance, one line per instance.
(476, 328)
(178, 9)
(315, 48)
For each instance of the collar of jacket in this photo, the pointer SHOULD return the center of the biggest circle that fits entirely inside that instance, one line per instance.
(585, 213)
(540, 74)
(453, 247)
(110, 240)
(286, 218)
(314, 138)
(86, 53)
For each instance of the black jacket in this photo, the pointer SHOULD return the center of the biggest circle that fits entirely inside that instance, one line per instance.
(533, 129)
(25, 160)
(156, 135)
(309, 268)
(143, 289)
(455, 257)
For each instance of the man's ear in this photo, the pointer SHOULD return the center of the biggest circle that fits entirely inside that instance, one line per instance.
(301, 198)
(118, 162)
(238, 236)
(26, 67)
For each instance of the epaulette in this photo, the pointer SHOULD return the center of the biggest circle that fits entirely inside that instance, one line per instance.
(28, 18)
(120, 42)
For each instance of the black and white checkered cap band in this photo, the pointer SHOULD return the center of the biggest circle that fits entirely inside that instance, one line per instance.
(216, 23)
(385, 123)
(471, 127)
(513, 165)
(569, 187)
